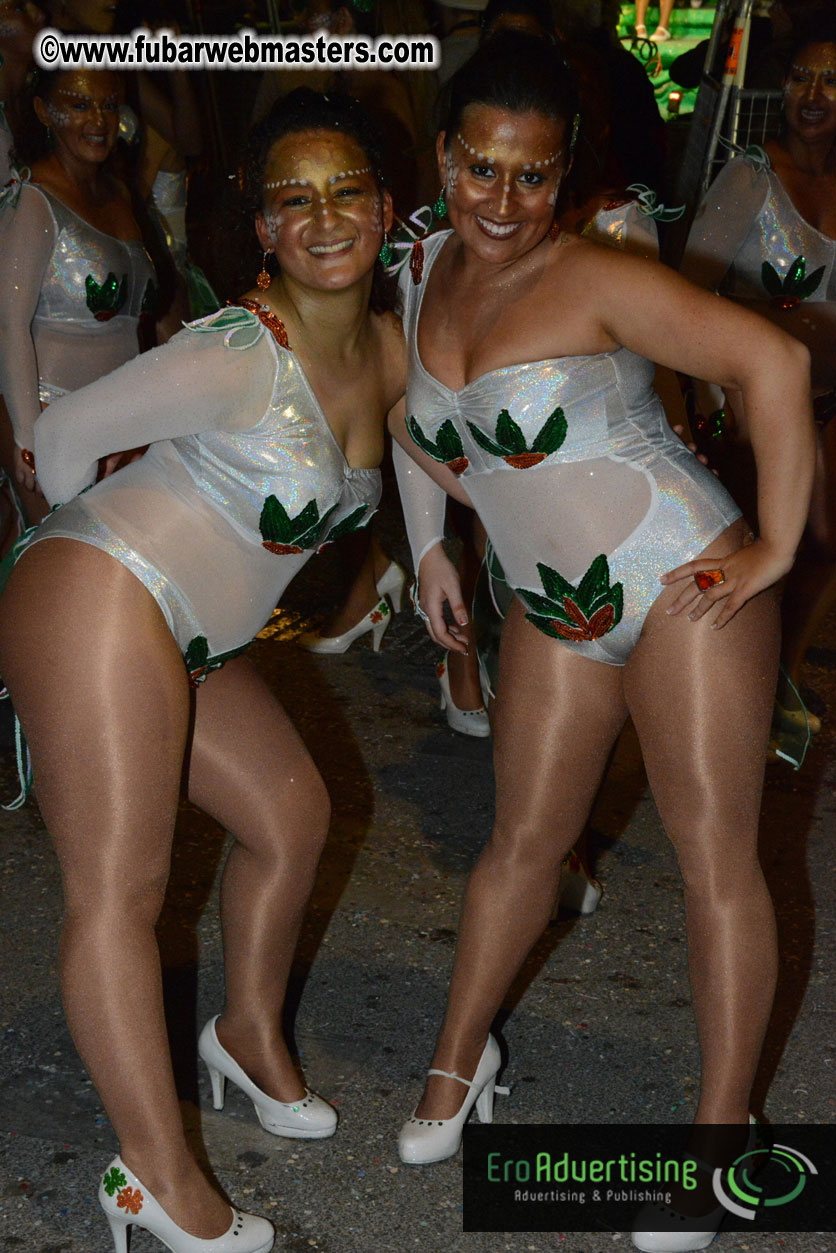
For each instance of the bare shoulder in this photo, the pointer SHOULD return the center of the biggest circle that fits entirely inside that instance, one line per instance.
(392, 345)
(594, 271)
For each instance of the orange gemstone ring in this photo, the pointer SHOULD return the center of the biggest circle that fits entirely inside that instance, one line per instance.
(28, 458)
(706, 579)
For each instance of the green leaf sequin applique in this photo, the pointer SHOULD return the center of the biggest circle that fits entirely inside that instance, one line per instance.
(284, 535)
(354, 522)
(104, 300)
(786, 293)
(114, 1179)
(581, 613)
(448, 447)
(510, 443)
(199, 664)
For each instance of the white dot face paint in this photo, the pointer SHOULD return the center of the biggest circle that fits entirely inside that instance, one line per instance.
(508, 171)
(323, 211)
(83, 113)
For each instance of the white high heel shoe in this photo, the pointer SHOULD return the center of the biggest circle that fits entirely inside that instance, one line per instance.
(681, 1235)
(425, 1140)
(127, 1202)
(466, 721)
(309, 1118)
(376, 621)
(392, 583)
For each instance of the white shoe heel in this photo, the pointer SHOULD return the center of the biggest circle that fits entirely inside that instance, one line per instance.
(392, 583)
(376, 621)
(309, 1118)
(127, 1202)
(425, 1140)
(218, 1082)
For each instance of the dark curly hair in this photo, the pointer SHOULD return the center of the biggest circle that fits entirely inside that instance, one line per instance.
(307, 110)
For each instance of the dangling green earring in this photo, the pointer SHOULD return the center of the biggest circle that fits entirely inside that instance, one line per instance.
(387, 252)
(440, 206)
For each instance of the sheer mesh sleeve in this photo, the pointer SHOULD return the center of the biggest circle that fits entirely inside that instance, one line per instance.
(730, 208)
(424, 504)
(27, 237)
(197, 382)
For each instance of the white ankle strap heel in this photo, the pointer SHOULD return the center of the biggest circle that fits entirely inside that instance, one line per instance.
(425, 1140)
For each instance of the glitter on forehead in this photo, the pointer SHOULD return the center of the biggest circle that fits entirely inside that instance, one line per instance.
(536, 165)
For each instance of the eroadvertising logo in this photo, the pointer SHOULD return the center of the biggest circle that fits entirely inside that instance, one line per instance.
(609, 1177)
(737, 1189)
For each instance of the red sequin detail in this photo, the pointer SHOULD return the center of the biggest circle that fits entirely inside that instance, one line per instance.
(271, 320)
(592, 629)
(416, 262)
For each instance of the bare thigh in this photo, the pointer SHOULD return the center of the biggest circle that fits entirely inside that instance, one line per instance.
(701, 702)
(248, 767)
(557, 717)
(100, 688)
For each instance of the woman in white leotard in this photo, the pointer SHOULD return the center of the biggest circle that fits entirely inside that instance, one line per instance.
(765, 235)
(75, 279)
(266, 425)
(529, 377)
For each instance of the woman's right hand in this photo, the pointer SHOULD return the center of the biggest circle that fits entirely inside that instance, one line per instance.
(25, 473)
(438, 582)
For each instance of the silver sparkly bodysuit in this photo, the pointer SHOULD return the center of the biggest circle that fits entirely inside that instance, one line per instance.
(749, 240)
(586, 493)
(71, 298)
(243, 481)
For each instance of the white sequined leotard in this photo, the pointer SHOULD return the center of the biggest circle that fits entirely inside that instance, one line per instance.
(586, 493)
(243, 481)
(71, 298)
(749, 240)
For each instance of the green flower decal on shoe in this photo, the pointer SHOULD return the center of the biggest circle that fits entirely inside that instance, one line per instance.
(354, 522)
(786, 293)
(510, 443)
(581, 613)
(114, 1179)
(448, 447)
(283, 535)
(106, 299)
(198, 662)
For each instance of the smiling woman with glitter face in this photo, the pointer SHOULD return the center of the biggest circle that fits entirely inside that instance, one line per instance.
(638, 588)
(120, 634)
(76, 283)
(765, 235)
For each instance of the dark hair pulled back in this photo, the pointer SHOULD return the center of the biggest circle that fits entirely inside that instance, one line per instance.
(517, 72)
(818, 27)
